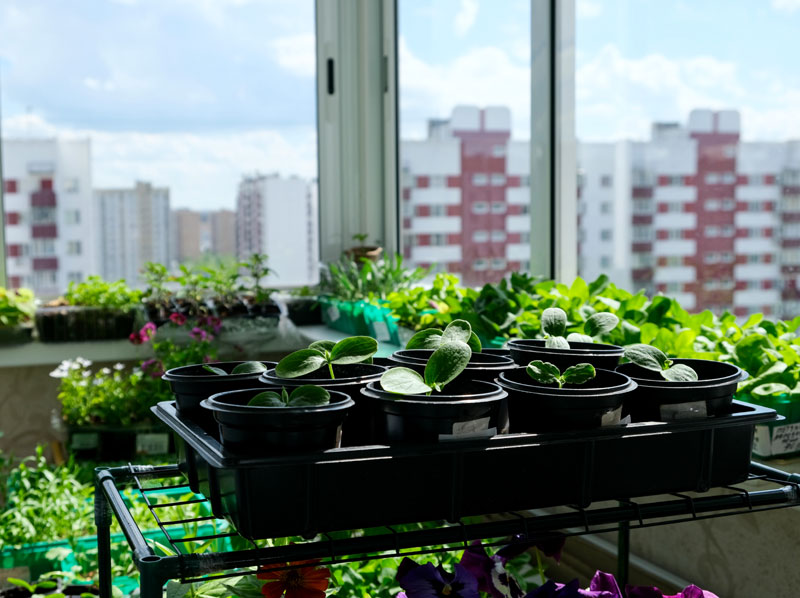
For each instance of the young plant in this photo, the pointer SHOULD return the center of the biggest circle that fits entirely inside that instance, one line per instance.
(433, 338)
(649, 357)
(445, 363)
(546, 373)
(17, 306)
(355, 349)
(39, 588)
(308, 395)
(554, 327)
(248, 367)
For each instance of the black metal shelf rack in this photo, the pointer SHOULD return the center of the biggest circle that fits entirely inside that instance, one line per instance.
(620, 516)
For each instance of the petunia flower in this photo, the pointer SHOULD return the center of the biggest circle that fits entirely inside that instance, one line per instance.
(427, 581)
(300, 582)
(177, 318)
(199, 334)
(135, 338)
(691, 591)
(148, 331)
(603, 585)
(490, 572)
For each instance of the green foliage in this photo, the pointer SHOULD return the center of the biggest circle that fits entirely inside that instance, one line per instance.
(652, 358)
(257, 270)
(354, 349)
(433, 338)
(545, 372)
(247, 367)
(17, 306)
(307, 395)
(96, 292)
(365, 280)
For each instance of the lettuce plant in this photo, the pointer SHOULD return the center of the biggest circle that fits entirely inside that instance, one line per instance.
(308, 395)
(449, 359)
(547, 373)
(355, 349)
(554, 327)
(651, 358)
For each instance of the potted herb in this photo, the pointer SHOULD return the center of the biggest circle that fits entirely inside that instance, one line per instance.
(481, 366)
(342, 366)
(564, 351)
(157, 296)
(543, 398)
(362, 251)
(256, 422)
(17, 307)
(256, 296)
(437, 405)
(91, 310)
(670, 389)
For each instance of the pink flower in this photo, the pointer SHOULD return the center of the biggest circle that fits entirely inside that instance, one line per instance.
(177, 318)
(199, 334)
(153, 368)
(215, 323)
(148, 331)
(135, 338)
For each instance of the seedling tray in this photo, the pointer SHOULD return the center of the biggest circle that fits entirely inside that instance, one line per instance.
(358, 487)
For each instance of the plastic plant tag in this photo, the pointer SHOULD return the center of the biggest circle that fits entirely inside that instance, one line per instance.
(612, 418)
(776, 440)
(152, 444)
(476, 428)
(333, 313)
(381, 331)
(676, 411)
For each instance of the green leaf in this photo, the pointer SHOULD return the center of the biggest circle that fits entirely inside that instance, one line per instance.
(679, 373)
(404, 381)
(447, 362)
(543, 372)
(354, 349)
(299, 363)
(457, 330)
(556, 342)
(266, 399)
(577, 337)
(579, 290)
(430, 338)
(771, 389)
(579, 373)
(753, 320)
(598, 285)
(646, 356)
(554, 321)
(324, 346)
(249, 367)
(474, 343)
(600, 323)
(309, 395)
(213, 370)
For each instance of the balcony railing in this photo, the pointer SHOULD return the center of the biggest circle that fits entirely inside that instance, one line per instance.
(44, 198)
(45, 263)
(44, 231)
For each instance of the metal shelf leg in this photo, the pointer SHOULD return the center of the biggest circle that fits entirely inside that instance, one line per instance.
(153, 576)
(623, 552)
(102, 521)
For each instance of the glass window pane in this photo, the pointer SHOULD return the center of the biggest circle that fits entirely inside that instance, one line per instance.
(464, 97)
(703, 126)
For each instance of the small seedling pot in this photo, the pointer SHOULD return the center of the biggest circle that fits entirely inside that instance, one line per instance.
(262, 431)
(536, 407)
(481, 366)
(602, 357)
(191, 384)
(465, 411)
(658, 399)
(349, 379)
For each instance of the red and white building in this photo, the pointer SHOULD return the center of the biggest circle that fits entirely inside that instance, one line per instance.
(50, 216)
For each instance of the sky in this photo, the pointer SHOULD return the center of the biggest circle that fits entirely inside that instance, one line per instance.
(192, 94)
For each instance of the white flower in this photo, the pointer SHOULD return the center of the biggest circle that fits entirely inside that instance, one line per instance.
(119, 367)
(105, 371)
(58, 373)
(86, 373)
(84, 362)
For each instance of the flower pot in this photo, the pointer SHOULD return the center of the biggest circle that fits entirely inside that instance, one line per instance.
(15, 335)
(466, 410)
(535, 407)
(658, 399)
(602, 357)
(304, 311)
(261, 431)
(74, 323)
(481, 366)
(191, 384)
(118, 443)
(349, 379)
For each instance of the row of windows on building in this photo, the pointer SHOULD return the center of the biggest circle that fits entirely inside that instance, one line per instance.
(478, 236)
(68, 185)
(38, 215)
(642, 233)
(42, 248)
(646, 206)
(478, 179)
(725, 284)
(639, 179)
(648, 260)
(479, 208)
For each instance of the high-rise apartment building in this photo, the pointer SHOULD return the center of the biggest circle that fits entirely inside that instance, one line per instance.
(465, 196)
(278, 216)
(134, 226)
(50, 227)
(199, 233)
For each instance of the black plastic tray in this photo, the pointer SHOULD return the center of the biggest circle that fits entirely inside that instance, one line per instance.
(357, 487)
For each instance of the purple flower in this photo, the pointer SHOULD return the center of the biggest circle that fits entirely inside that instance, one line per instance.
(691, 591)
(177, 318)
(215, 323)
(153, 368)
(490, 572)
(603, 585)
(199, 334)
(427, 581)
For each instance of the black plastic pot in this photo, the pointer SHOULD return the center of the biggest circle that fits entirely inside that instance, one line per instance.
(191, 384)
(263, 431)
(349, 379)
(466, 410)
(658, 399)
(535, 407)
(304, 311)
(481, 366)
(503, 351)
(78, 323)
(602, 357)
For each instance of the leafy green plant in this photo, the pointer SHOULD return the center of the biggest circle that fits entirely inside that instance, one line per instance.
(351, 279)
(355, 349)
(308, 395)
(257, 269)
(17, 306)
(433, 338)
(96, 292)
(156, 277)
(247, 367)
(422, 307)
(651, 358)
(554, 327)
(547, 373)
(38, 588)
(450, 358)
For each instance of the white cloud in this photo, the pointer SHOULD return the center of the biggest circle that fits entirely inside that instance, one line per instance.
(485, 76)
(465, 18)
(201, 170)
(786, 5)
(588, 9)
(296, 53)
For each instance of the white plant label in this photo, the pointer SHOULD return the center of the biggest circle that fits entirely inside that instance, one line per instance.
(692, 410)
(780, 440)
(381, 331)
(611, 418)
(476, 428)
(152, 444)
(333, 313)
